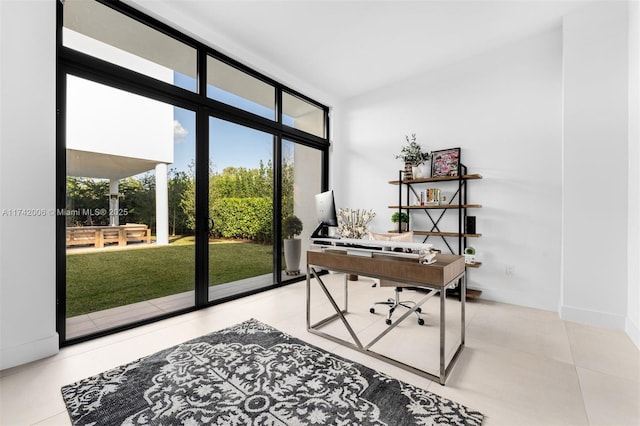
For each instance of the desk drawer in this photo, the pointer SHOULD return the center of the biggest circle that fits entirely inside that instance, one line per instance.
(393, 268)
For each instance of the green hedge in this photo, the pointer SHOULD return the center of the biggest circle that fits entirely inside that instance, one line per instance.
(245, 218)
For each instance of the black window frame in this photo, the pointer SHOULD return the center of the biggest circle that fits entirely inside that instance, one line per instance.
(72, 62)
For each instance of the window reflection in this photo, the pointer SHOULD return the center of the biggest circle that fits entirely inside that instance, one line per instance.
(237, 88)
(99, 31)
(303, 115)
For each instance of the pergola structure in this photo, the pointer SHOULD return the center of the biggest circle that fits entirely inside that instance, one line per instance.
(104, 166)
(112, 134)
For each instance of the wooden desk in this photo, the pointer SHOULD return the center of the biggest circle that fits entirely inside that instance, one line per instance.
(444, 273)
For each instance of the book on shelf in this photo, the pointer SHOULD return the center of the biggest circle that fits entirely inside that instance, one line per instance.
(430, 197)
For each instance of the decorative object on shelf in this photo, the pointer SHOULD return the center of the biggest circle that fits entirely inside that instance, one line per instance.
(430, 197)
(402, 219)
(470, 225)
(291, 228)
(414, 157)
(408, 171)
(422, 171)
(445, 162)
(353, 223)
(469, 255)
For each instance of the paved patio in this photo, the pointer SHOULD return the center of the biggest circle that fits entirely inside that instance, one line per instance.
(110, 318)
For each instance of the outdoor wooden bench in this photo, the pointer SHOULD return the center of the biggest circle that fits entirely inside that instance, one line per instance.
(98, 236)
(111, 234)
(136, 232)
(82, 236)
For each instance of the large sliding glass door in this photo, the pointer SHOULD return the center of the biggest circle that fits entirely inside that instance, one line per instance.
(241, 184)
(129, 247)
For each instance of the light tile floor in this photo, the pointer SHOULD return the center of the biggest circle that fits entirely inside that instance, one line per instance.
(520, 366)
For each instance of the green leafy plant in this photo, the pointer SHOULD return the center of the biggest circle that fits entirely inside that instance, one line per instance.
(243, 218)
(412, 152)
(400, 216)
(291, 227)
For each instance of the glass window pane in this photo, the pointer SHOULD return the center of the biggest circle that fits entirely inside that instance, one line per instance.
(97, 30)
(238, 89)
(301, 177)
(241, 206)
(129, 208)
(302, 115)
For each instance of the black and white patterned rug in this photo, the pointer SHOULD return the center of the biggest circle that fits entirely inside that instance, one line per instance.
(253, 374)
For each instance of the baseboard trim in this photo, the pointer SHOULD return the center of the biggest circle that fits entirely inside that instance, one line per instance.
(28, 352)
(633, 332)
(594, 318)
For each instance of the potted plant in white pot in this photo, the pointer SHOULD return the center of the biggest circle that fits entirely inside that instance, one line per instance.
(291, 228)
(402, 219)
(415, 160)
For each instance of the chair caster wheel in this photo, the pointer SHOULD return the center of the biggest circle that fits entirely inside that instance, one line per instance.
(420, 321)
(419, 310)
(373, 311)
(387, 321)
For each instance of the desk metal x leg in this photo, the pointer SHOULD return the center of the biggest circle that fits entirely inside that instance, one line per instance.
(339, 312)
(444, 369)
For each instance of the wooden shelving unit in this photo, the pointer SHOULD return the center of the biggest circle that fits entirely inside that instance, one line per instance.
(437, 179)
(438, 206)
(458, 203)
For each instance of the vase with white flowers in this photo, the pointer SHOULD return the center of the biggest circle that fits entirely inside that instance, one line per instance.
(353, 223)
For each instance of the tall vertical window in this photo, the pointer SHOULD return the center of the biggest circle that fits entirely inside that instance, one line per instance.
(241, 207)
(301, 180)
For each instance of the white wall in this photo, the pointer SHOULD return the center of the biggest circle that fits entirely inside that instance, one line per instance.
(27, 181)
(504, 109)
(551, 122)
(633, 313)
(595, 165)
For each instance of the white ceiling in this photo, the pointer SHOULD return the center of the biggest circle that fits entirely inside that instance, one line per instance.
(345, 48)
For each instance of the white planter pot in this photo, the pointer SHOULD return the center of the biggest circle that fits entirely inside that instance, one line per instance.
(422, 171)
(292, 249)
(402, 228)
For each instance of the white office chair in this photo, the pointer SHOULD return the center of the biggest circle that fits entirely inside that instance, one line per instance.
(395, 302)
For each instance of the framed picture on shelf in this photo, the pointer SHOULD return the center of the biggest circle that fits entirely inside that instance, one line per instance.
(445, 162)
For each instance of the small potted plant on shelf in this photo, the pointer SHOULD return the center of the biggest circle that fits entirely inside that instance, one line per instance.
(402, 219)
(414, 159)
(291, 228)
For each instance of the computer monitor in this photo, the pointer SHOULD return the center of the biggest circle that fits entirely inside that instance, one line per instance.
(325, 213)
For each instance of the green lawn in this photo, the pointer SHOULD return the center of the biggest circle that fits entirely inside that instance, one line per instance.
(103, 280)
